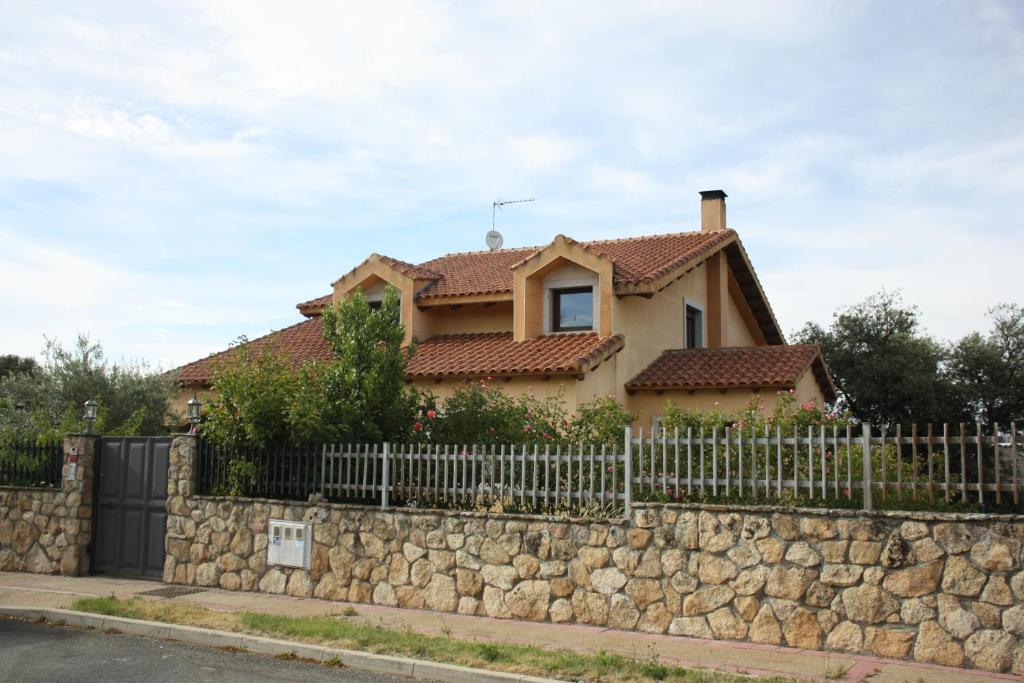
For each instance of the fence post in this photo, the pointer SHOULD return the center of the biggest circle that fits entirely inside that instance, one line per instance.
(385, 477)
(628, 483)
(866, 445)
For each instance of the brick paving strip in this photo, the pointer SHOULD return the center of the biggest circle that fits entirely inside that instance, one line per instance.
(45, 591)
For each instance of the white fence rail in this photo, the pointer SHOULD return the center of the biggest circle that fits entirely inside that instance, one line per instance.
(830, 463)
(950, 463)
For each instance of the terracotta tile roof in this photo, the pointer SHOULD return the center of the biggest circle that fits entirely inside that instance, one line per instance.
(474, 273)
(728, 368)
(301, 342)
(413, 271)
(483, 354)
(314, 307)
(635, 259)
(641, 259)
(462, 355)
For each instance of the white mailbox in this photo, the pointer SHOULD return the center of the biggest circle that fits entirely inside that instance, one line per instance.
(291, 543)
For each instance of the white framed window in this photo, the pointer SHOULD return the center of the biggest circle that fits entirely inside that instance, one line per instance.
(572, 309)
(570, 300)
(693, 333)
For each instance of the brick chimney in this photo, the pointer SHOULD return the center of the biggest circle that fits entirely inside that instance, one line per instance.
(712, 210)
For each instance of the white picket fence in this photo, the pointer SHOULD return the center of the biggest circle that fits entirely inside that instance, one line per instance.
(951, 463)
(832, 462)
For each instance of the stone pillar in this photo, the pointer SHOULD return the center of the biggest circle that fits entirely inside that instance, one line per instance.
(181, 486)
(78, 478)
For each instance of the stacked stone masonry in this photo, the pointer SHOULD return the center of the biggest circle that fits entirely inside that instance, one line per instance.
(47, 530)
(944, 589)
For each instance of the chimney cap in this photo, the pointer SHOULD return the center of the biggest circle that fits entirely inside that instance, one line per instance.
(713, 194)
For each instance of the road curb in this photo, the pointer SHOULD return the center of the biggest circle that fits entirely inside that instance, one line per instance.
(364, 661)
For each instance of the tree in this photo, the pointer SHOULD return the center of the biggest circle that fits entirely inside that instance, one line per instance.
(365, 386)
(261, 398)
(12, 365)
(254, 387)
(48, 402)
(885, 367)
(988, 371)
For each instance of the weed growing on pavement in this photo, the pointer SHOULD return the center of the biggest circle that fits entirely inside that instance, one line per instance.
(354, 634)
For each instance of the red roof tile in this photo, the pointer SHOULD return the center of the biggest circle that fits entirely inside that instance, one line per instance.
(635, 260)
(495, 353)
(300, 343)
(462, 355)
(314, 307)
(641, 259)
(474, 273)
(413, 271)
(728, 368)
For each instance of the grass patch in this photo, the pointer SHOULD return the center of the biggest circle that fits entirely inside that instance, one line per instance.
(355, 635)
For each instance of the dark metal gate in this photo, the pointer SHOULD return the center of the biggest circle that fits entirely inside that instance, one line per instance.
(131, 512)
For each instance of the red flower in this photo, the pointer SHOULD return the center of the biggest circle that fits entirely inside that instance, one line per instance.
(417, 426)
(431, 414)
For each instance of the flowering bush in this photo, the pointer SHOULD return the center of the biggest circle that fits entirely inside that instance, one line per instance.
(788, 414)
(480, 413)
(600, 422)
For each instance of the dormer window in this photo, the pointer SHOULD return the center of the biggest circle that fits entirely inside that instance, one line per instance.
(572, 309)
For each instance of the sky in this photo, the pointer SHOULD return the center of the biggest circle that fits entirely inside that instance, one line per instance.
(174, 175)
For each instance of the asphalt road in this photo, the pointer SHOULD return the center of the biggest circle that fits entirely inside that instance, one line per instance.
(38, 652)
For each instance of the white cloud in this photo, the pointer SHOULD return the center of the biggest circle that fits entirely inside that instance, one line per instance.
(205, 166)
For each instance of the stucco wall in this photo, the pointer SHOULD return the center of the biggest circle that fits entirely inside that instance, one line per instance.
(470, 318)
(516, 386)
(653, 325)
(47, 531)
(647, 404)
(738, 333)
(946, 589)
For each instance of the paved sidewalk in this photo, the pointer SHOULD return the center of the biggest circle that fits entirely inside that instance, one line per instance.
(30, 590)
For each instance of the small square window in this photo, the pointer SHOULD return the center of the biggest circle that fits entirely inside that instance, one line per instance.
(694, 327)
(572, 309)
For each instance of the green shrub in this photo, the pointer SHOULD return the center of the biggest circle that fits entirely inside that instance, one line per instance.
(45, 402)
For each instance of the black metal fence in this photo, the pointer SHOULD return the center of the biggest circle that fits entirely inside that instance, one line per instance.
(283, 471)
(30, 463)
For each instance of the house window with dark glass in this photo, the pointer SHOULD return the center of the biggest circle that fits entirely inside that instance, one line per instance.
(694, 328)
(572, 309)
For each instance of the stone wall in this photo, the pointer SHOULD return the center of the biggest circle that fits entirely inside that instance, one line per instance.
(947, 589)
(47, 531)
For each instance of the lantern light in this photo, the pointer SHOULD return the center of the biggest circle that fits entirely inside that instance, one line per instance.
(91, 409)
(195, 410)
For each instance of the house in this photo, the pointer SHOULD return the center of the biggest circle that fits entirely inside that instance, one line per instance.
(644, 319)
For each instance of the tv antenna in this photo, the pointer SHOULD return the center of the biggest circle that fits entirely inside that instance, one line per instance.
(494, 238)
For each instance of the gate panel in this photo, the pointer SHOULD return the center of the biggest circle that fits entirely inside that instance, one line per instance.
(131, 506)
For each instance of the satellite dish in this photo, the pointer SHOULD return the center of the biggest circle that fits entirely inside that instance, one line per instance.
(494, 240)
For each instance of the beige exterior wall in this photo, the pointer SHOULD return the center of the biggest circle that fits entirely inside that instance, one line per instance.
(807, 389)
(179, 398)
(600, 381)
(471, 318)
(738, 332)
(516, 386)
(650, 326)
(653, 325)
(647, 404)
